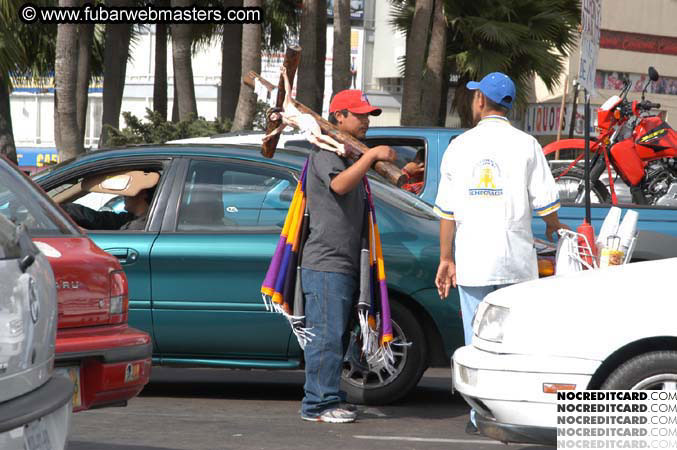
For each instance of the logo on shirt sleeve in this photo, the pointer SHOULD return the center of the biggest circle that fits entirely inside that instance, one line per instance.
(486, 179)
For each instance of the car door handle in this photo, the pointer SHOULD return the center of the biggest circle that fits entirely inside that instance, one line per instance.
(124, 255)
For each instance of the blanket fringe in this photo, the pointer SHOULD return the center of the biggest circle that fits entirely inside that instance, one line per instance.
(369, 337)
(303, 334)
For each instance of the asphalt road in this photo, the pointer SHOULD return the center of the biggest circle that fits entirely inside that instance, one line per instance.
(228, 409)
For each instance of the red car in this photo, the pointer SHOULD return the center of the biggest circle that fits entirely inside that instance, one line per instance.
(109, 361)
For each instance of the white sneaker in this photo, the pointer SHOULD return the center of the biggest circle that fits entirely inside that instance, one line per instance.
(334, 415)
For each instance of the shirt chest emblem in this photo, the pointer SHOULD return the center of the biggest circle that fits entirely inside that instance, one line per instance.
(486, 179)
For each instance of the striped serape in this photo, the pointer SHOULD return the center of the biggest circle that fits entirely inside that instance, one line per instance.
(282, 291)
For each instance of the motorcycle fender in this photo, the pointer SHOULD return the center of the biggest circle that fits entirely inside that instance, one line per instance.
(627, 162)
(564, 144)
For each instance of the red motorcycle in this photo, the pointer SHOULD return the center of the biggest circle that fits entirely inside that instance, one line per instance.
(639, 146)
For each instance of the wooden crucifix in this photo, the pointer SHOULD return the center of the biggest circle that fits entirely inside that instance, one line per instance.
(317, 130)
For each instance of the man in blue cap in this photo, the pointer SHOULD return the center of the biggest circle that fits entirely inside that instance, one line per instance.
(493, 177)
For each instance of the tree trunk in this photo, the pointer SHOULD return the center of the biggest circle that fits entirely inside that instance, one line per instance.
(85, 38)
(7, 146)
(321, 54)
(251, 60)
(442, 114)
(431, 95)
(182, 40)
(65, 81)
(57, 124)
(462, 102)
(175, 104)
(115, 56)
(160, 74)
(340, 72)
(231, 65)
(310, 84)
(417, 39)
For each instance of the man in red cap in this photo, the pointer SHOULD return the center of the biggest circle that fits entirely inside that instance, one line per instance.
(330, 258)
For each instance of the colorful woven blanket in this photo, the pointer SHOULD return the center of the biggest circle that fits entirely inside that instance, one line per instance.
(282, 292)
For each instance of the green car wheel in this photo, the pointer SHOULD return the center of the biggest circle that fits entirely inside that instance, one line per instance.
(375, 385)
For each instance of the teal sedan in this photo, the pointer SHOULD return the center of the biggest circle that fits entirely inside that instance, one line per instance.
(196, 269)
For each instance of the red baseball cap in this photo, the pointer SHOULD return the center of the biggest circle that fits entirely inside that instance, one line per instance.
(354, 101)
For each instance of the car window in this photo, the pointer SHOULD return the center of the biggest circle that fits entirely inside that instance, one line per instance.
(103, 210)
(411, 157)
(227, 196)
(386, 192)
(22, 206)
(298, 143)
(406, 149)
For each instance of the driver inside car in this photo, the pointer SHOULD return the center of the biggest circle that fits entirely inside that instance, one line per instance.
(134, 218)
(137, 188)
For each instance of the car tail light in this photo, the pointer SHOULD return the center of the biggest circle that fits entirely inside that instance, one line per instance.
(119, 297)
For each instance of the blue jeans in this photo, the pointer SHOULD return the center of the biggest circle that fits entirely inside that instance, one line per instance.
(329, 299)
(471, 297)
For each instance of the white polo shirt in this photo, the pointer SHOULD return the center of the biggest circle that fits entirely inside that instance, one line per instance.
(492, 177)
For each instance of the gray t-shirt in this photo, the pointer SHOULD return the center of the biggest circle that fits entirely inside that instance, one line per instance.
(333, 244)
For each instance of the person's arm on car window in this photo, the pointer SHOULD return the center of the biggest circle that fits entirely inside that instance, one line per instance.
(96, 220)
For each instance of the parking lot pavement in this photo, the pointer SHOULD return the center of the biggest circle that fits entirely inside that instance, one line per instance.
(229, 409)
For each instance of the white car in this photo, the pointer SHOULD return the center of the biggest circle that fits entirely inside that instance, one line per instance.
(611, 328)
(286, 140)
(35, 403)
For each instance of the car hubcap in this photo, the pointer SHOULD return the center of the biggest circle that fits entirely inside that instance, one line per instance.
(662, 382)
(358, 373)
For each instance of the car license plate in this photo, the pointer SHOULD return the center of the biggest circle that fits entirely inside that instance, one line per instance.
(36, 436)
(74, 374)
(132, 372)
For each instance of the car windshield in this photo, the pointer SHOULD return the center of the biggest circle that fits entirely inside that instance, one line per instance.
(22, 204)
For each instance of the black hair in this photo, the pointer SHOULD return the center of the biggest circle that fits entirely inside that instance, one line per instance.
(496, 106)
(332, 117)
(149, 193)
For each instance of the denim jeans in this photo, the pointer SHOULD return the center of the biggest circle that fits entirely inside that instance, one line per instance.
(471, 297)
(329, 299)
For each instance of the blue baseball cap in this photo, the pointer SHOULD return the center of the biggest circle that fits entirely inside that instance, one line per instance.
(497, 86)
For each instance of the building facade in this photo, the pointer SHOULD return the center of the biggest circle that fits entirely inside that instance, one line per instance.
(634, 35)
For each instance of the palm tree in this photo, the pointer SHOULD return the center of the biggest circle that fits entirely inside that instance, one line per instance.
(231, 65)
(160, 72)
(7, 146)
(182, 42)
(251, 60)
(69, 143)
(340, 71)
(434, 73)
(23, 51)
(116, 53)
(11, 54)
(522, 38)
(417, 41)
(85, 41)
(313, 41)
(279, 27)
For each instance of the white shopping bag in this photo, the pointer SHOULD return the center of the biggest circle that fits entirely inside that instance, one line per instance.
(567, 259)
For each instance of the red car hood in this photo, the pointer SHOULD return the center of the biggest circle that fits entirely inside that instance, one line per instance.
(82, 272)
